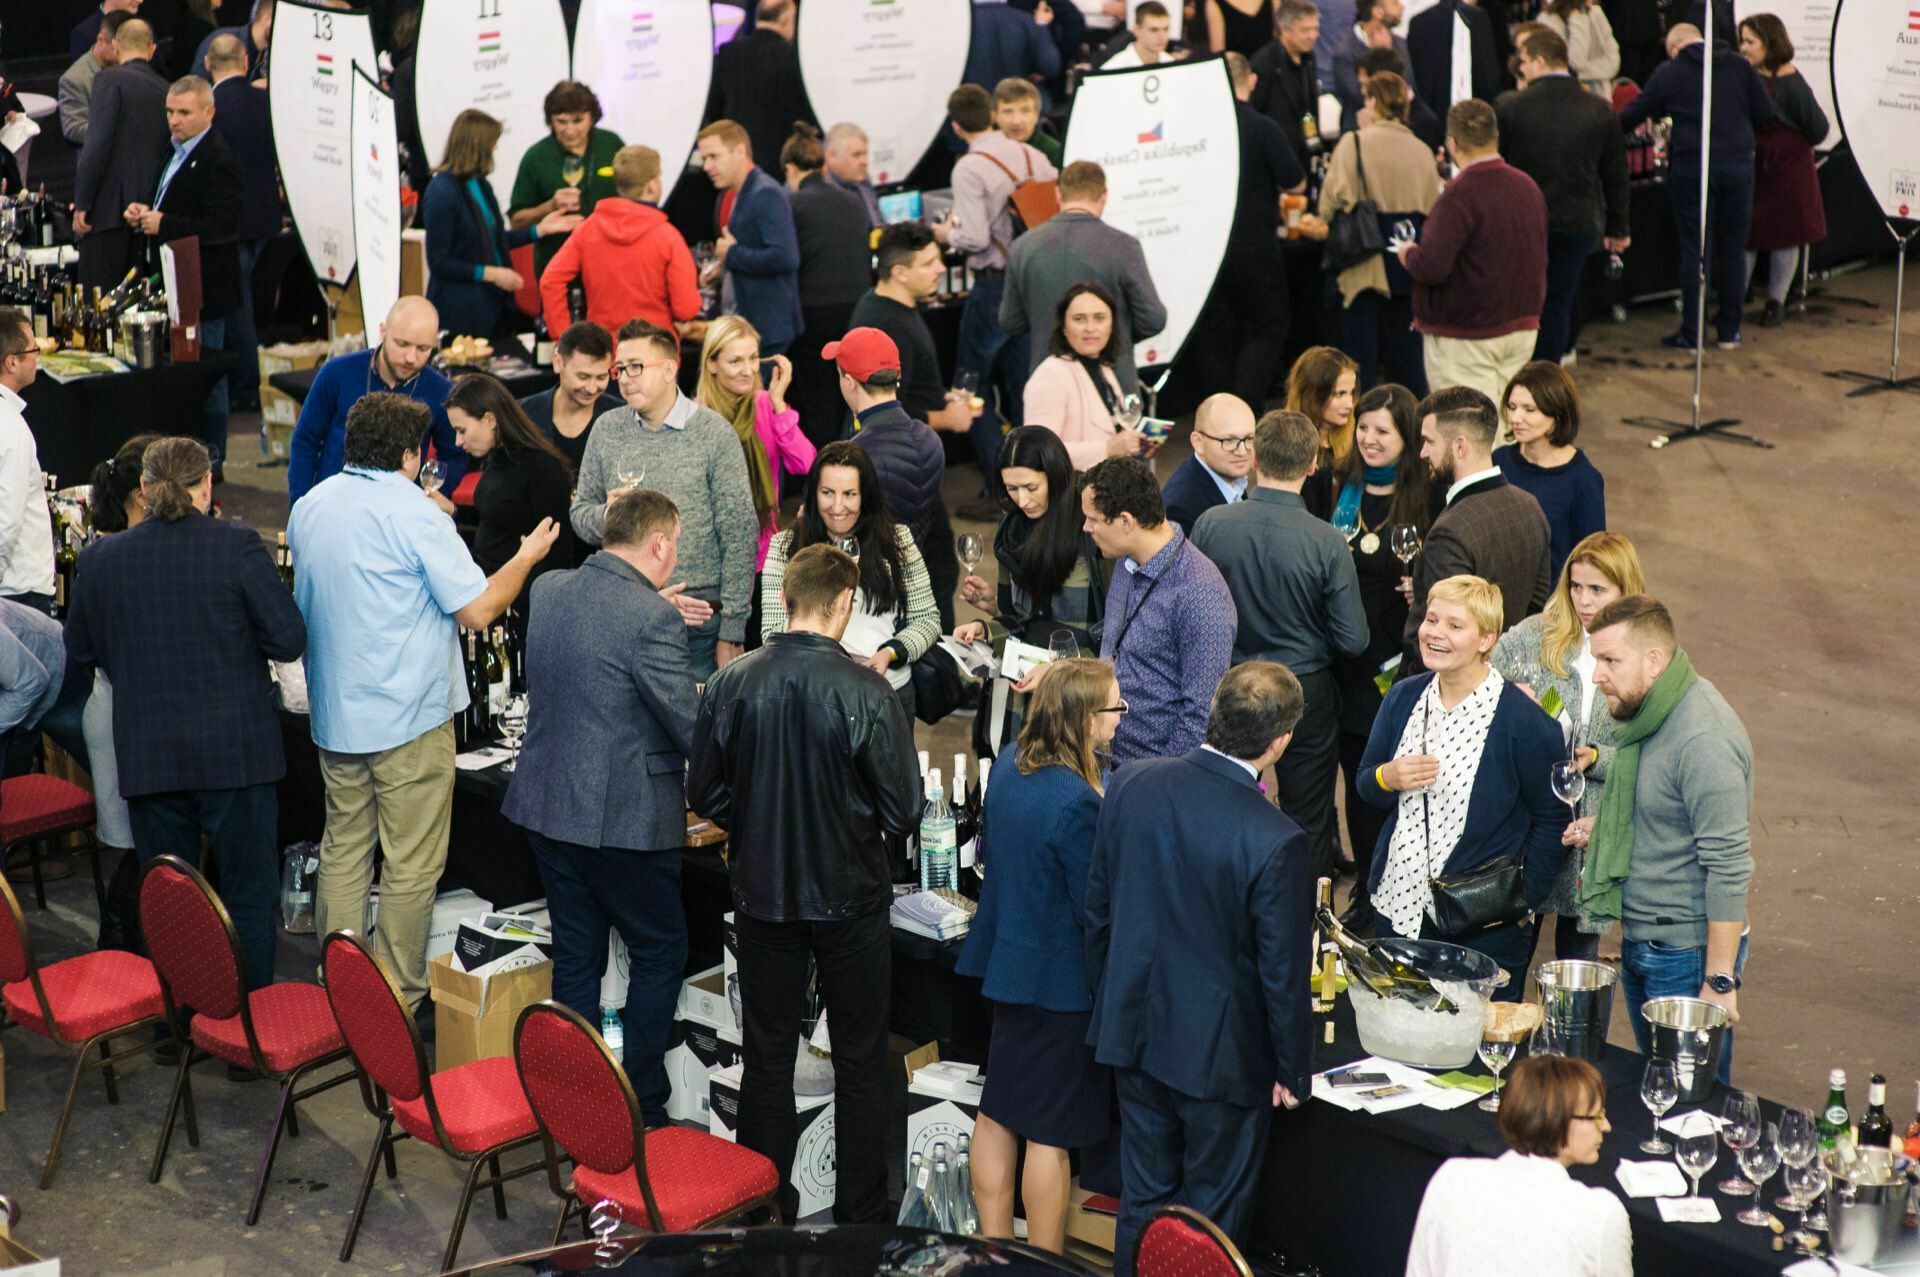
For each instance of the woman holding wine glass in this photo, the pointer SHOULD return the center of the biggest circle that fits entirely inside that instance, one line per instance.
(1075, 391)
(1548, 657)
(567, 171)
(527, 479)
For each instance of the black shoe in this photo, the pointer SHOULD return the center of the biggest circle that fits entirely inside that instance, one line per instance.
(1774, 315)
(423, 1018)
(1678, 341)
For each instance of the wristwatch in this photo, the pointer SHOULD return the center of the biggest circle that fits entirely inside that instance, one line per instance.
(1720, 982)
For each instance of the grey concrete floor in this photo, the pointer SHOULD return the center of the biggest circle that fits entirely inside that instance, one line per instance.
(1787, 571)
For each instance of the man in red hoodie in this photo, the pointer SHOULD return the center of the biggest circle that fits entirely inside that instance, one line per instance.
(631, 261)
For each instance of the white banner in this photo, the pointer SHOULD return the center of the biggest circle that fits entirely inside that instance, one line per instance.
(497, 56)
(650, 62)
(1170, 144)
(888, 66)
(314, 52)
(376, 202)
(1876, 86)
(1809, 25)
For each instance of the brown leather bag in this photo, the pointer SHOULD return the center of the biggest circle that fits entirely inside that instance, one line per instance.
(1033, 202)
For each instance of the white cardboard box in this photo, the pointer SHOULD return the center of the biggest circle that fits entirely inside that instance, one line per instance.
(701, 1041)
(814, 1170)
(448, 909)
(708, 998)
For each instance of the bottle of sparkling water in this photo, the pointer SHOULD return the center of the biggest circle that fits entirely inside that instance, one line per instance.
(939, 851)
(614, 1031)
(941, 1192)
(916, 1210)
(966, 1209)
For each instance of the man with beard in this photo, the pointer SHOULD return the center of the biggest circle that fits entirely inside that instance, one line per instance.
(1489, 529)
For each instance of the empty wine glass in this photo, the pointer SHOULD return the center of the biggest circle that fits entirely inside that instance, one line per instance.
(1131, 410)
(1740, 1128)
(632, 475)
(1498, 1045)
(513, 725)
(1798, 1143)
(1805, 1182)
(1404, 542)
(973, 548)
(1569, 783)
(1659, 1091)
(432, 475)
(1698, 1148)
(1816, 1177)
(1758, 1161)
(1347, 523)
(1063, 645)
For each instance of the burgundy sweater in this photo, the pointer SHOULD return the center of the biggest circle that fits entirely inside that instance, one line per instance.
(1480, 268)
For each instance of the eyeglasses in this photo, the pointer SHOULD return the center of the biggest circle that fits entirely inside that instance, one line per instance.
(1232, 443)
(1121, 708)
(638, 367)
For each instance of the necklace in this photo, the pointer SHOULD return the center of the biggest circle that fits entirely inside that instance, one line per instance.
(1369, 539)
(404, 388)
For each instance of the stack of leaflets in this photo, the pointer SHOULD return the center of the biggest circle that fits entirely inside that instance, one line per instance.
(937, 915)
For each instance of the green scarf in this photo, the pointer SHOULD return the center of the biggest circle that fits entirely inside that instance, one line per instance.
(739, 414)
(1610, 850)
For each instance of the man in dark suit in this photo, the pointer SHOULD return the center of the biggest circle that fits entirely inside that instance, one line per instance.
(240, 116)
(183, 612)
(1489, 528)
(200, 194)
(836, 268)
(1222, 459)
(1430, 53)
(599, 784)
(756, 81)
(1206, 889)
(758, 248)
(120, 164)
(1375, 30)
(1286, 86)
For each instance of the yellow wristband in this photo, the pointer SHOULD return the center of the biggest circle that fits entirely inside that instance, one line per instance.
(1380, 777)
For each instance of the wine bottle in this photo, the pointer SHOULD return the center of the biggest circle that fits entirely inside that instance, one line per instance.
(1833, 1121)
(479, 717)
(963, 823)
(42, 307)
(283, 560)
(1386, 975)
(497, 673)
(542, 344)
(45, 218)
(1876, 1128)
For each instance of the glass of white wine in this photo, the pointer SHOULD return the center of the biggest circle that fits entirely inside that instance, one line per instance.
(972, 548)
(1497, 1049)
(573, 169)
(432, 475)
(632, 476)
(1131, 410)
(1405, 543)
(513, 725)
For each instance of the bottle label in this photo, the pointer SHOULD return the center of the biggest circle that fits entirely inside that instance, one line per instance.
(967, 853)
(497, 698)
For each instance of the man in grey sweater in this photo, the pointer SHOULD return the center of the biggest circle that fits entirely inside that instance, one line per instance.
(664, 441)
(1680, 791)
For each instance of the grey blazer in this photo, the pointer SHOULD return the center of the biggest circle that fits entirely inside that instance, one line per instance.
(1066, 249)
(611, 702)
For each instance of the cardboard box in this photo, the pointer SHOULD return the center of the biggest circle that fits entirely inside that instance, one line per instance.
(814, 1171)
(1087, 1226)
(473, 1016)
(701, 1041)
(277, 408)
(448, 909)
(709, 998)
(935, 1114)
(287, 356)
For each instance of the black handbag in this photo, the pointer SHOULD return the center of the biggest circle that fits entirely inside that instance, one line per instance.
(1354, 235)
(1478, 899)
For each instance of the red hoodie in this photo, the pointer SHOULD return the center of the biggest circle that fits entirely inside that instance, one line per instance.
(634, 265)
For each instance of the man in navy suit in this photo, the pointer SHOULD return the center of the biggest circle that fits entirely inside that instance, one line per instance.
(758, 247)
(1209, 886)
(1222, 459)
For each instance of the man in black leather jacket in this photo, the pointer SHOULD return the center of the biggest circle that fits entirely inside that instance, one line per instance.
(805, 757)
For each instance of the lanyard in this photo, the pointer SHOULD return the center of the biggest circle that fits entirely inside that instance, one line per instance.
(1139, 606)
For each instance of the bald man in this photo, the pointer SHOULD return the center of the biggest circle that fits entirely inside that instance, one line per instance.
(398, 364)
(125, 150)
(1222, 459)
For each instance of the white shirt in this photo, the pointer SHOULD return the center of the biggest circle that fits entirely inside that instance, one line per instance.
(1129, 56)
(1583, 665)
(1244, 764)
(26, 530)
(1460, 485)
(1231, 490)
(1517, 1216)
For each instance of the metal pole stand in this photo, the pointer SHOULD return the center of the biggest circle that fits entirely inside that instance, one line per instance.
(1872, 383)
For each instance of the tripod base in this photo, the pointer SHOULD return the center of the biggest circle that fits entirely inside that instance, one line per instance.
(1672, 432)
(1873, 383)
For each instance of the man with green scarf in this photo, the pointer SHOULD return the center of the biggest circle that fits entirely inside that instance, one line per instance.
(1668, 853)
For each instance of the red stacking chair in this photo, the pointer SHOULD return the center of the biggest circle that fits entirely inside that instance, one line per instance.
(78, 1002)
(35, 810)
(669, 1180)
(281, 1032)
(1181, 1242)
(473, 1113)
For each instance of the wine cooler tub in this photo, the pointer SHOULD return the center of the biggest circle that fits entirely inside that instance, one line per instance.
(1430, 1039)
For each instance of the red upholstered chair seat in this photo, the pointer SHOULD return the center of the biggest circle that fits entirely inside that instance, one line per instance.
(696, 1176)
(481, 1105)
(89, 994)
(34, 805)
(292, 1021)
(1170, 1246)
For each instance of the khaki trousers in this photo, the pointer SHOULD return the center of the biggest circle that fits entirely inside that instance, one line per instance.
(1485, 363)
(402, 800)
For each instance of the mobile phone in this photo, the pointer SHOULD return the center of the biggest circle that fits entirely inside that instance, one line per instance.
(1359, 1079)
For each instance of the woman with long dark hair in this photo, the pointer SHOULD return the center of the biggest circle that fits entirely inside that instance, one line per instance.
(1075, 392)
(894, 617)
(527, 478)
(1321, 386)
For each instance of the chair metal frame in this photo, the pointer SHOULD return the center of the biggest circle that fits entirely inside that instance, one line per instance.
(104, 1040)
(285, 1113)
(1200, 1223)
(40, 845)
(378, 1104)
(569, 1201)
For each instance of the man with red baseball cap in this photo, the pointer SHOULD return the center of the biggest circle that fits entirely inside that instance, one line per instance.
(906, 454)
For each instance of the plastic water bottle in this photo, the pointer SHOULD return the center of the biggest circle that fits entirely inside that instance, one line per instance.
(966, 1208)
(614, 1032)
(916, 1211)
(296, 887)
(941, 1191)
(939, 851)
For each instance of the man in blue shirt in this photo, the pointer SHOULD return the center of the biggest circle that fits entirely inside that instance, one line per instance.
(385, 583)
(398, 364)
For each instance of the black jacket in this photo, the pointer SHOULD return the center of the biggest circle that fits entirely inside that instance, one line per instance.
(1569, 142)
(911, 464)
(756, 84)
(836, 266)
(806, 758)
(1430, 50)
(204, 198)
(240, 116)
(1286, 94)
(126, 143)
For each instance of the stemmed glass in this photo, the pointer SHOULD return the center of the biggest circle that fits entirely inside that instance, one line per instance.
(1798, 1144)
(1740, 1128)
(1699, 1148)
(1499, 1042)
(1347, 524)
(1063, 645)
(432, 475)
(1131, 410)
(1405, 543)
(632, 476)
(972, 548)
(573, 169)
(513, 725)
(1817, 1176)
(1569, 783)
(1758, 1161)
(1805, 1182)
(1659, 1091)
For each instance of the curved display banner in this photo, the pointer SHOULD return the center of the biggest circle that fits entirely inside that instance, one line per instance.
(888, 66)
(1809, 25)
(498, 56)
(376, 202)
(650, 63)
(1170, 144)
(309, 94)
(1876, 88)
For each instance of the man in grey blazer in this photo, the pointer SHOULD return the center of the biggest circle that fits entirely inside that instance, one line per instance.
(600, 786)
(125, 151)
(1072, 246)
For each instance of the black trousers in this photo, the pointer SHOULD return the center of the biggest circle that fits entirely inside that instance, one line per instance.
(1246, 322)
(855, 962)
(1378, 332)
(1304, 778)
(816, 383)
(239, 825)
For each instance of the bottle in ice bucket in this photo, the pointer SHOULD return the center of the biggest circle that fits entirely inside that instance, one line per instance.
(939, 855)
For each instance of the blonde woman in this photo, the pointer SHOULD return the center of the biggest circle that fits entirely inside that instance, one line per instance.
(1027, 945)
(1321, 386)
(769, 430)
(1547, 656)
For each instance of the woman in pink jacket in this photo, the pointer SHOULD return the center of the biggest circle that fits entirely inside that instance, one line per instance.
(1074, 392)
(769, 430)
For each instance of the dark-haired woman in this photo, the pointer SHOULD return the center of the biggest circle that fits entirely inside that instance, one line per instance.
(1787, 212)
(1382, 484)
(1543, 410)
(836, 268)
(894, 617)
(567, 171)
(1075, 391)
(527, 478)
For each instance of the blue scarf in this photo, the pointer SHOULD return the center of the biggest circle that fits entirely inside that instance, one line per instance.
(1346, 512)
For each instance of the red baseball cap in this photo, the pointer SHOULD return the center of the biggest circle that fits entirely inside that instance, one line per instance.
(864, 352)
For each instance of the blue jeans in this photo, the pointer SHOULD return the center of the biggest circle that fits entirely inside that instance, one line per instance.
(1651, 969)
(213, 416)
(1729, 218)
(985, 349)
(637, 893)
(703, 642)
(1567, 255)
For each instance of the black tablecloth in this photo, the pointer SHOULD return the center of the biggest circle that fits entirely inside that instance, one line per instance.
(531, 382)
(78, 424)
(1343, 1189)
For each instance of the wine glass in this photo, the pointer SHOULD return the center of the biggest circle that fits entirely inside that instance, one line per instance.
(1405, 543)
(1131, 410)
(573, 169)
(966, 386)
(1569, 783)
(1063, 645)
(1498, 1045)
(1805, 1182)
(1347, 524)
(1659, 1091)
(1740, 1128)
(513, 725)
(1798, 1143)
(1817, 1177)
(632, 475)
(432, 475)
(973, 548)
(1758, 1161)
(1699, 1148)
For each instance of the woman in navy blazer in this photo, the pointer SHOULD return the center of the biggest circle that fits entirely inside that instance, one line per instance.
(1026, 944)
(470, 277)
(1465, 759)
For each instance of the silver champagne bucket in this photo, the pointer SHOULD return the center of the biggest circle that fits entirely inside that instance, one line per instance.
(143, 338)
(1576, 1004)
(1689, 1033)
(1865, 1205)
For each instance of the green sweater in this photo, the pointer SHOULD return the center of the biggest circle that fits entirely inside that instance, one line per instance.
(539, 178)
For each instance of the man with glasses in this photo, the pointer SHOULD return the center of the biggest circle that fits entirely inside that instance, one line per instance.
(1222, 458)
(664, 441)
(26, 536)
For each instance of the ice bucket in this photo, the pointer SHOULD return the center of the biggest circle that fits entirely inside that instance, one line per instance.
(1689, 1033)
(1401, 1031)
(143, 336)
(1865, 1211)
(1576, 1003)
